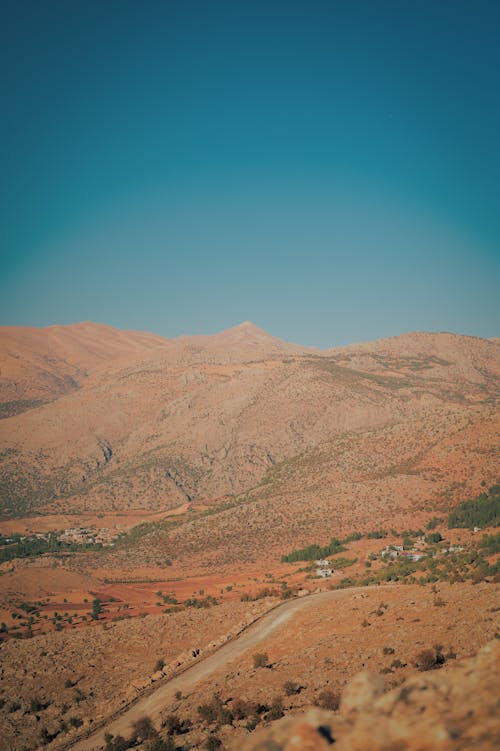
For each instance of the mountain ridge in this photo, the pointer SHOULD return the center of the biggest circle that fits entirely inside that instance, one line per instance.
(205, 417)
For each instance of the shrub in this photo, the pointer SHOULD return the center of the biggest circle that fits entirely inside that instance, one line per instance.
(143, 728)
(329, 699)
(212, 743)
(353, 537)
(260, 660)
(433, 537)
(173, 725)
(432, 523)
(215, 711)
(159, 665)
(243, 709)
(159, 744)
(45, 736)
(37, 706)
(117, 743)
(429, 659)
(377, 534)
(252, 723)
(276, 709)
(397, 664)
(291, 688)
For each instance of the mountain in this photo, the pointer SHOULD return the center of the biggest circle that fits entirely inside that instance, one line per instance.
(41, 364)
(133, 420)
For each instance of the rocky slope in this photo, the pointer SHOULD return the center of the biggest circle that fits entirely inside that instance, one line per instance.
(444, 710)
(149, 423)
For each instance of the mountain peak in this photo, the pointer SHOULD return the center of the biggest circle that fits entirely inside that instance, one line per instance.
(246, 326)
(247, 330)
(247, 323)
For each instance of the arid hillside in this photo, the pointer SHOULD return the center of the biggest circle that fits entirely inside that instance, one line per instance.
(38, 365)
(158, 496)
(147, 423)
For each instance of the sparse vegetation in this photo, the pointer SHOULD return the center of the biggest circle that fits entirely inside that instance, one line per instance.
(291, 688)
(430, 659)
(216, 711)
(260, 660)
(212, 743)
(276, 709)
(329, 699)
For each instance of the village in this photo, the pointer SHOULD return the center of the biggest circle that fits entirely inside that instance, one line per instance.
(421, 548)
(75, 535)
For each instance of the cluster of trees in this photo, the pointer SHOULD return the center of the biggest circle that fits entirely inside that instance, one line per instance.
(143, 732)
(34, 546)
(483, 511)
(314, 552)
(490, 544)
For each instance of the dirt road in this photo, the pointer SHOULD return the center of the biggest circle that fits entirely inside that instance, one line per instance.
(164, 695)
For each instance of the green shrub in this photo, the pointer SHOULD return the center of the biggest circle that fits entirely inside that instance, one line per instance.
(433, 537)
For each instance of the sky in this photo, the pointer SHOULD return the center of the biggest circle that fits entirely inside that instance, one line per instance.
(327, 170)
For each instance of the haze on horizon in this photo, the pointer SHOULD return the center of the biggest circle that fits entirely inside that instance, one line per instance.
(327, 170)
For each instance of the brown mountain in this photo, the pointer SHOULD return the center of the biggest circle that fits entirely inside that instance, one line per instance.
(133, 420)
(41, 364)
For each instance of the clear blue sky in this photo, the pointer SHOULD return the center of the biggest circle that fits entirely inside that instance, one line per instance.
(328, 170)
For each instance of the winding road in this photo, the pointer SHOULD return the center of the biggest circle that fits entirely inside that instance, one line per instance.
(160, 698)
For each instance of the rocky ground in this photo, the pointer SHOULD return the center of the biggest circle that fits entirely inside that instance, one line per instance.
(446, 710)
(65, 682)
(73, 679)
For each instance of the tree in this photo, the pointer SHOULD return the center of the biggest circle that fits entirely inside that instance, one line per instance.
(96, 609)
(434, 537)
(144, 728)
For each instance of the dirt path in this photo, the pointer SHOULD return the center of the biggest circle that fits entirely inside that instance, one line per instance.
(164, 695)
